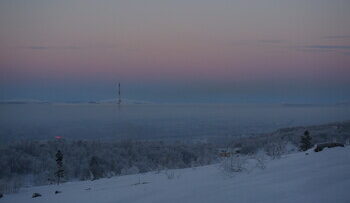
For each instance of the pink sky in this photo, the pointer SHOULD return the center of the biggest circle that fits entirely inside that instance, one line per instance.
(174, 41)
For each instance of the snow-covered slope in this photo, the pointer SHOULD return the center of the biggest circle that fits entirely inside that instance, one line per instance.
(317, 177)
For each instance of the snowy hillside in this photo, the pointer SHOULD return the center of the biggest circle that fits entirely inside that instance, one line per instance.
(316, 177)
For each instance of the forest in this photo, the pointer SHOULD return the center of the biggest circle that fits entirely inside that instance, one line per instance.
(30, 162)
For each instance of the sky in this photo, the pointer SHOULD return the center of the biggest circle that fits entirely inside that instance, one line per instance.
(291, 51)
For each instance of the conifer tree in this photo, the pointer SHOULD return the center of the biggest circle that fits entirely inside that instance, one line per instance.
(305, 142)
(60, 171)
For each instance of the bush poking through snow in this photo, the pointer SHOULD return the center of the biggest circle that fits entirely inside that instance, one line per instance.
(276, 149)
(36, 195)
(170, 174)
(244, 163)
(260, 158)
(234, 163)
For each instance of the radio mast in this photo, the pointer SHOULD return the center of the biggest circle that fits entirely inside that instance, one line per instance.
(119, 96)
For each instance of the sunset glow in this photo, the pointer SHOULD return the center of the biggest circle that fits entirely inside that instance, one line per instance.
(81, 49)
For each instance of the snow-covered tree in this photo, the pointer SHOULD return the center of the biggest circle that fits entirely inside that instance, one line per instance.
(276, 149)
(95, 168)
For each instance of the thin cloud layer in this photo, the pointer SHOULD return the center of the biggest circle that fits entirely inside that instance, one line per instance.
(39, 47)
(337, 37)
(332, 47)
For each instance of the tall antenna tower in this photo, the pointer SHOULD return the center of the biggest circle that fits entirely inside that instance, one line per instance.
(119, 96)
